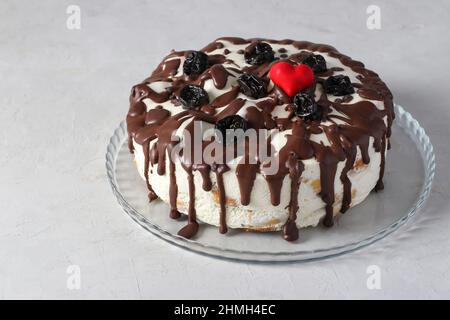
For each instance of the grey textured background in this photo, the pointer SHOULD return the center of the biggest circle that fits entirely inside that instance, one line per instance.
(63, 92)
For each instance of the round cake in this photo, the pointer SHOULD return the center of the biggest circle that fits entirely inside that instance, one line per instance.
(261, 135)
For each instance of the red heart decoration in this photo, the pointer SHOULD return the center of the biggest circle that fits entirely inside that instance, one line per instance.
(291, 79)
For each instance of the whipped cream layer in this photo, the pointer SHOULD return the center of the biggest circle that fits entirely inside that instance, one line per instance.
(326, 166)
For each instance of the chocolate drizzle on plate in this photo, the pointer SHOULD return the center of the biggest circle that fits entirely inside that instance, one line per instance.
(155, 115)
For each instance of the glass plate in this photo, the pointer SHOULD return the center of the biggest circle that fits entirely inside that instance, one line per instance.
(410, 169)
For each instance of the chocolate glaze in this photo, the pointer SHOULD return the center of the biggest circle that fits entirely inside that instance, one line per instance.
(295, 167)
(220, 170)
(351, 128)
(173, 192)
(191, 228)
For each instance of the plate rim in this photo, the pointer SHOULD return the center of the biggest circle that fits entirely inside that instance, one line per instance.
(403, 119)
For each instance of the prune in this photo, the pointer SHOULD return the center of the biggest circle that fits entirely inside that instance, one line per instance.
(339, 85)
(225, 129)
(196, 62)
(259, 53)
(252, 86)
(193, 96)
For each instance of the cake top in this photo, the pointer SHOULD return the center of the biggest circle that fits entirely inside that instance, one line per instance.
(312, 102)
(234, 76)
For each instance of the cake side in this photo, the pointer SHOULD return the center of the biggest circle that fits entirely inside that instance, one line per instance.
(260, 214)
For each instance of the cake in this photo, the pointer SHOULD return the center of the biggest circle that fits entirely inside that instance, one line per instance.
(323, 119)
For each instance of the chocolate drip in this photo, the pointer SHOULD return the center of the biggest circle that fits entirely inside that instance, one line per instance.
(130, 144)
(380, 185)
(246, 175)
(275, 182)
(136, 114)
(173, 192)
(328, 165)
(296, 168)
(367, 121)
(190, 230)
(297, 144)
(151, 193)
(204, 170)
(220, 170)
(165, 139)
(137, 121)
(350, 151)
(329, 157)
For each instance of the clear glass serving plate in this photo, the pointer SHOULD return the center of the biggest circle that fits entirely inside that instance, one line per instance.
(410, 169)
